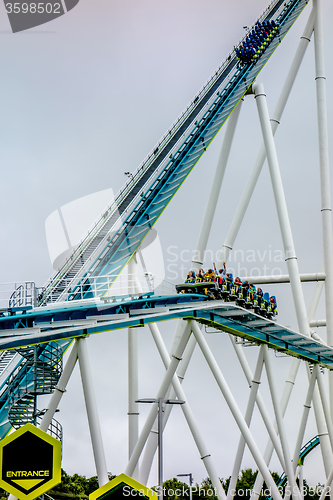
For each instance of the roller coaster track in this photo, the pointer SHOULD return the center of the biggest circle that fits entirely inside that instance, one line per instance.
(106, 250)
(305, 450)
(69, 320)
(121, 228)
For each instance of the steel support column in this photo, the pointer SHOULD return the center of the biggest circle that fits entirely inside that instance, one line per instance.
(280, 425)
(325, 186)
(275, 120)
(260, 403)
(133, 391)
(60, 389)
(250, 441)
(151, 446)
(287, 238)
(215, 189)
(304, 419)
(179, 391)
(176, 357)
(94, 426)
(248, 416)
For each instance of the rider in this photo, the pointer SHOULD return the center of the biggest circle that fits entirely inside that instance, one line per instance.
(190, 277)
(200, 276)
(209, 275)
(272, 303)
(245, 288)
(238, 284)
(229, 281)
(252, 292)
(260, 295)
(223, 270)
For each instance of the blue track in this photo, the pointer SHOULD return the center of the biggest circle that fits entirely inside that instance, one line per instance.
(71, 320)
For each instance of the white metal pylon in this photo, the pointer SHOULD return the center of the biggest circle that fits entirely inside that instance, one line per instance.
(132, 336)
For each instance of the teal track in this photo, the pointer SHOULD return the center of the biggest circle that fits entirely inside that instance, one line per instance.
(306, 449)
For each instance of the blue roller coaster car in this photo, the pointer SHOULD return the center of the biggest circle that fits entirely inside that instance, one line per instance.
(257, 41)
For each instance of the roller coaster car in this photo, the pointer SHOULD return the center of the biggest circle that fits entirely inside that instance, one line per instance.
(268, 309)
(260, 308)
(227, 290)
(240, 301)
(249, 303)
(266, 306)
(233, 296)
(224, 292)
(209, 289)
(272, 308)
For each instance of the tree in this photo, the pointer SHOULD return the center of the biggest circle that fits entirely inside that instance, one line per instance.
(175, 490)
(75, 486)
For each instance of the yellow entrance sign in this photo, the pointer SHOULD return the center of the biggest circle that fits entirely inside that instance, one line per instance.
(30, 462)
(123, 487)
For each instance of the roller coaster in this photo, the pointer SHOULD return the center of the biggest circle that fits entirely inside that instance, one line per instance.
(39, 325)
(225, 288)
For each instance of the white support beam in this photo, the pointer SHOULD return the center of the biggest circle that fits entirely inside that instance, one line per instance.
(325, 185)
(230, 400)
(281, 428)
(215, 189)
(327, 486)
(176, 358)
(93, 420)
(319, 415)
(317, 323)
(284, 278)
(179, 391)
(301, 480)
(304, 419)
(282, 211)
(275, 121)
(133, 376)
(260, 402)
(289, 251)
(325, 404)
(283, 404)
(248, 416)
(151, 446)
(60, 389)
(325, 445)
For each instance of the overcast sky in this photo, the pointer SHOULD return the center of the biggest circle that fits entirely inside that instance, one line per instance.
(84, 99)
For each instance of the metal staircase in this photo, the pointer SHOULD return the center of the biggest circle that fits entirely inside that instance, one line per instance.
(37, 375)
(5, 358)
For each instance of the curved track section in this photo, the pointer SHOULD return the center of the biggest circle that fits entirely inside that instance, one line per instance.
(305, 450)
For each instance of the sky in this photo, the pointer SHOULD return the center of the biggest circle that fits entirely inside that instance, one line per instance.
(84, 99)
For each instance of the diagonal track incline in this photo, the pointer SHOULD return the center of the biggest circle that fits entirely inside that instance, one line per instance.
(122, 227)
